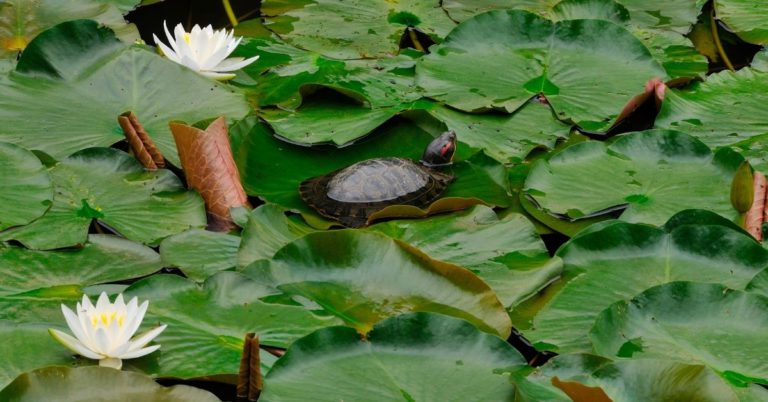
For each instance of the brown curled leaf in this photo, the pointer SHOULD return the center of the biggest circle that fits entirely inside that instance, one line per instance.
(243, 377)
(206, 158)
(756, 214)
(639, 113)
(141, 144)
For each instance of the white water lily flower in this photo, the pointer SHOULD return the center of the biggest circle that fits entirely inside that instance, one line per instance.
(104, 331)
(204, 50)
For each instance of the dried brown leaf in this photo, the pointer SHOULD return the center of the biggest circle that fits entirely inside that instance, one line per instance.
(141, 144)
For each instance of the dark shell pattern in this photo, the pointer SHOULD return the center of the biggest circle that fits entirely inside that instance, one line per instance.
(351, 194)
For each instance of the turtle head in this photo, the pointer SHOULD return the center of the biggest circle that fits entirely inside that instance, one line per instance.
(440, 151)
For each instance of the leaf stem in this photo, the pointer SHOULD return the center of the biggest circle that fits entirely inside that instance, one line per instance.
(230, 13)
(716, 38)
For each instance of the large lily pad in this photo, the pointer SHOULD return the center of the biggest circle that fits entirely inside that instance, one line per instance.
(111, 187)
(75, 105)
(200, 253)
(506, 253)
(726, 109)
(26, 347)
(267, 231)
(103, 259)
(615, 261)
(391, 364)
(209, 322)
(690, 322)
(375, 278)
(548, 59)
(746, 18)
(653, 174)
(355, 29)
(273, 169)
(26, 190)
(97, 384)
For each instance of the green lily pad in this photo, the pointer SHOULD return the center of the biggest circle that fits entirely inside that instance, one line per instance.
(61, 106)
(506, 253)
(26, 190)
(267, 231)
(111, 187)
(588, 378)
(724, 110)
(759, 284)
(689, 322)
(389, 364)
(273, 169)
(354, 29)
(506, 138)
(207, 323)
(548, 59)
(613, 261)
(23, 20)
(746, 18)
(200, 253)
(102, 259)
(375, 278)
(653, 173)
(97, 384)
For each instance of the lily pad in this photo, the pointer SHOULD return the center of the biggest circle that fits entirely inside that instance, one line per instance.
(97, 384)
(26, 190)
(506, 253)
(267, 231)
(390, 364)
(109, 186)
(77, 106)
(211, 320)
(102, 259)
(375, 278)
(653, 174)
(746, 18)
(355, 29)
(200, 253)
(548, 59)
(273, 169)
(690, 322)
(634, 257)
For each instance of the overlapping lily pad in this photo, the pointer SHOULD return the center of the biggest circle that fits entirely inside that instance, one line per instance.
(635, 257)
(26, 190)
(267, 231)
(26, 347)
(689, 322)
(97, 384)
(390, 364)
(375, 278)
(200, 253)
(653, 174)
(746, 18)
(109, 186)
(207, 323)
(355, 29)
(62, 105)
(463, 70)
(103, 259)
(506, 253)
(273, 169)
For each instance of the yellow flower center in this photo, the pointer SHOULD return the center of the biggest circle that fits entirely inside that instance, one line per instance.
(186, 37)
(105, 319)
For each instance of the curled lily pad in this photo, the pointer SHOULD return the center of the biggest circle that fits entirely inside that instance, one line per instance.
(97, 384)
(63, 105)
(690, 322)
(654, 174)
(463, 364)
(26, 190)
(463, 70)
(375, 278)
(635, 257)
(109, 186)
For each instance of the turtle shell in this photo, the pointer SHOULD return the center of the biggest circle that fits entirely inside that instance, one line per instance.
(350, 195)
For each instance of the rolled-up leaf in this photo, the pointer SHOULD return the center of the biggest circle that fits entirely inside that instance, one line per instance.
(756, 214)
(206, 158)
(141, 144)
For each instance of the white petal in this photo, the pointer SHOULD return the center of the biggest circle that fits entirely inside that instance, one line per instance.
(145, 338)
(101, 341)
(141, 352)
(73, 322)
(103, 302)
(234, 63)
(133, 321)
(171, 39)
(73, 344)
(111, 362)
(218, 76)
(87, 306)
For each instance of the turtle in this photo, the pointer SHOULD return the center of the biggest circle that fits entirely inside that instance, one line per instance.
(351, 194)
